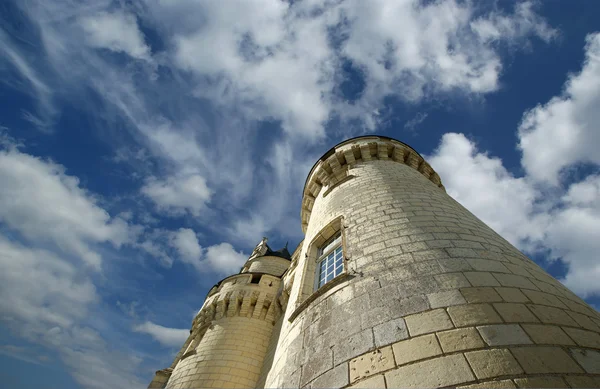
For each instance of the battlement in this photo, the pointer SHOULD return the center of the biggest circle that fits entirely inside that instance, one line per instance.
(333, 168)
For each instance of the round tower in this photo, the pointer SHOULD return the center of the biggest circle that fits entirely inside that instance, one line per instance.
(231, 332)
(398, 285)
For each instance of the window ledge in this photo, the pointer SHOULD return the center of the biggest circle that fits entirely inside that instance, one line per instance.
(188, 354)
(318, 293)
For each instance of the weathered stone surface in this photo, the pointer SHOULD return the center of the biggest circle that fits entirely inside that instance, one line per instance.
(481, 279)
(583, 382)
(375, 382)
(540, 382)
(334, 378)
(481, 295)
(352, 346)
(503, 334)
(443, 371)
(512, 295)
(589, 359)
(390, 332)
(451, 280)
(552, 315)
(427, 322)
(515, 313)
(415, 349)
(460, 339)
(584, 338)
(445, 299)
(371, 363)
(500, 384)
(473, 314)
(545, 359)
(493, 363)
(547, 334)
(318, 364)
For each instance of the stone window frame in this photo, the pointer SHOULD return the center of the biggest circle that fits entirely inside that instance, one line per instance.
(325, 254)
(308, 293)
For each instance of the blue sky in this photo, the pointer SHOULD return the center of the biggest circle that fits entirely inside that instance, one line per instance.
(147, 146)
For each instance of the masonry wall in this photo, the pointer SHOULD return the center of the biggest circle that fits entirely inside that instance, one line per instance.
(230, 336)
(434, 298)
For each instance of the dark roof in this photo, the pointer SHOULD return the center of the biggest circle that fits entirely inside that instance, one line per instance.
(283, 253)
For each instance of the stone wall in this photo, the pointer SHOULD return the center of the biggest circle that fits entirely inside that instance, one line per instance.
(432, 296)
(230, 336)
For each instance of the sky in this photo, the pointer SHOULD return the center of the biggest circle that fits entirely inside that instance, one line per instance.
(146, 146)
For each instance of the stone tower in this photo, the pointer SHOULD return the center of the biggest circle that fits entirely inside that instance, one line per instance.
(394, 285)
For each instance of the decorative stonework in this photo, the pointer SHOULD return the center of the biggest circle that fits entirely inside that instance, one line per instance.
(333, 167)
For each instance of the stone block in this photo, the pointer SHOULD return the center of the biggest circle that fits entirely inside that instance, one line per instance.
(503, 334)
(353, 346)
(376, 382)
(316, 365)
(515, 281)
(445, 299)
(461, 252)
(473, 314)
(429, 255)
(334, 378)
(547, 334)
(371, 363)
(487, 265)
(451, 265)
(443, 371)
(512, 295)
(584, 321)
(518, 269)
(543, 298)
(460, 339)
(540, 382)
(415, 349)
(426, 322)
(481, 279)
(588, 359)
(390, 332)
(515, 313)
(481, 295)
(583, 382)
(500, 384)
(545, 359)
(452, 280)
(552, 315)
(584, 338)
(493, 363)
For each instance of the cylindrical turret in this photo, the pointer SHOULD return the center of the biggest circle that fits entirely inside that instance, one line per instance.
(398, 285)
(231, 332)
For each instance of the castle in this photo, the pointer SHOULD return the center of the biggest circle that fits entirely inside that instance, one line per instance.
(394, 285)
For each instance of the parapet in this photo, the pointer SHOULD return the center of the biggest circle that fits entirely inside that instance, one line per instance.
(332, 168)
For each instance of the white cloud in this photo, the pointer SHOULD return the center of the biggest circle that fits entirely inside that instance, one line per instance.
(221, 258)
(502, 27)
(573, 235)
(45, 300)
(281, 63)
(186, 244)
(44, 204)
(565, 130)
(36, 85)
(483, 185)
(224, 259)
(171, 337)
(178, 194)
(117, 31)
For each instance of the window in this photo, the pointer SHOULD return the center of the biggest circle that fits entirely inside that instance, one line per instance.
(330, 260)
